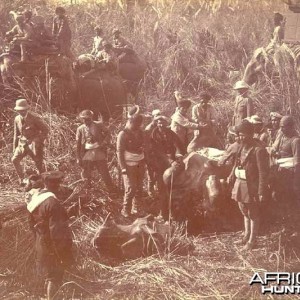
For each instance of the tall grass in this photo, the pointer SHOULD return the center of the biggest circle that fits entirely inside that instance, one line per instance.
(191, 46)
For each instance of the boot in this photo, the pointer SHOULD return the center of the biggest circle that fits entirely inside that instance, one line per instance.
(246, 236)
(254, 225)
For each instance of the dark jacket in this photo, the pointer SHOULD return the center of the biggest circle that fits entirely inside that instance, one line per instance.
(61, 28)
(49, 222)
(32, 128)
(256, 166)
(165, 143)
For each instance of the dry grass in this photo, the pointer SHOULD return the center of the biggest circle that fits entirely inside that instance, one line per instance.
(214, 38)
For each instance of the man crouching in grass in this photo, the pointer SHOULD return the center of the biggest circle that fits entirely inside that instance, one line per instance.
(53, 240)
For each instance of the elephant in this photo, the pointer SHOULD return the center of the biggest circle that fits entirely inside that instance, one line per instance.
(102, 92)
(131, 68)
(48, 78)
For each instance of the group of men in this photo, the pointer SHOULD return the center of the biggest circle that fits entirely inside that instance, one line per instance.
(265, 161)
(31, 37)
(264, 157)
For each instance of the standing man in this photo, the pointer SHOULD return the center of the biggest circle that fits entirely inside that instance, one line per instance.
(150, 172)
(181, 124)
(92, 139)
(204, 114)
(286, 149)
(163, 145)
(30, 132)
(243, 107)
(131, 157)
(62, 32)
(53, 240)
(250, 171)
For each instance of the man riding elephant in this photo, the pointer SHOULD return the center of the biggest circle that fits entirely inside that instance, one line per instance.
(22, 35)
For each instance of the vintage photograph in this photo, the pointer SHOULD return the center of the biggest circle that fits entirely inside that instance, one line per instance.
(149, 149)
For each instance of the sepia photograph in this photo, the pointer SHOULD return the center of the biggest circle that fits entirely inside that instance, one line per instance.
(149, 149)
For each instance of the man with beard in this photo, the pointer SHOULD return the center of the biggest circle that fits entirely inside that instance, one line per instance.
(164, 143)
(250, 172)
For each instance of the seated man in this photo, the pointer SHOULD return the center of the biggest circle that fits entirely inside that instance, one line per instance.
(278, 33)
(181, 124)
(119, 41)
(97, 41)
(163, 145)
(204, 114)
(107, 57)
(22, 35)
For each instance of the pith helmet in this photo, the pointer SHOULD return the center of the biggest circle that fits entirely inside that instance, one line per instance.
(116, 31)
(86, 114)
(255, 119)
(241, 85)
(186, 103)
(21, 104)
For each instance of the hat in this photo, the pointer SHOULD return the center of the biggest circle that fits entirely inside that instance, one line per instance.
(52, 176)
(161, 117)
(245, 127)
(232, 130)
(184, 103)
(98, 28)
(115, 31)
(86, 114)
(205, 97)
(287, 121)
(241, 85)
(133, 111)
(156, 112)
(255, 119)
(275, 114)
(60, 9)
(21, 104)
(278, 16)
